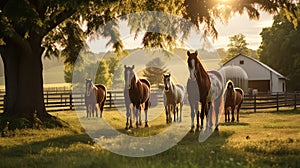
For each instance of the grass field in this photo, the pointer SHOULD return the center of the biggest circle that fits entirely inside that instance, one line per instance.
(273, 140)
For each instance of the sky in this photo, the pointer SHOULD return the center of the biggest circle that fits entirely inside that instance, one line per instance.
(237, 24)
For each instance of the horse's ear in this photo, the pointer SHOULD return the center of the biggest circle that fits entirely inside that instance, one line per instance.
(188, 53)
(124, 66)
(196, 52)
(169, 75)
(132, 67)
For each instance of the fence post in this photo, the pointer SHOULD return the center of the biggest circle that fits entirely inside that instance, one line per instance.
(71, 104)
(110, 100)
(277, 101)
(255, 103)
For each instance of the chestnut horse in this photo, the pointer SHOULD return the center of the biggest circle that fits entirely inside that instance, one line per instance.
(233, 98)
(139, 94)
(94, 93)
(198, 75)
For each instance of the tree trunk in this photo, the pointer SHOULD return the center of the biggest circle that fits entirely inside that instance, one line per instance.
(23, 79)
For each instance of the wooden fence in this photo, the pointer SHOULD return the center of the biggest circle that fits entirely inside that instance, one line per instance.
(61, 100)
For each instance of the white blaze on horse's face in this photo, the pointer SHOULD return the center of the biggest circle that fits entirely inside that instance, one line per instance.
(167, 82)
(128, 78)
(192, 70)
(88, 87)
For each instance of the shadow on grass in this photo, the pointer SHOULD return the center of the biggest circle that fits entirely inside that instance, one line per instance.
(36, 147)
(234, 123)
(286, 112)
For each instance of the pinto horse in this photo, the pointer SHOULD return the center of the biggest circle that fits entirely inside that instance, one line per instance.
(139, 94)
(199, 80)
(233, 98)
(94, 93)
(173, 95)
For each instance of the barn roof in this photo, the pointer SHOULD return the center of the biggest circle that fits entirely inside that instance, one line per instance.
(262, 64)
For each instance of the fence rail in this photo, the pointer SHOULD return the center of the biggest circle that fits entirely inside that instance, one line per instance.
(60, 100)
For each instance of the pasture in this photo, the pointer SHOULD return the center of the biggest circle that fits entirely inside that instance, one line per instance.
(262, 139)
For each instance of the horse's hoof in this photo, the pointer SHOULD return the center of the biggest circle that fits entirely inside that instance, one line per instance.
(130, 126)
(146, 125)
(126, 128)
(217, 128)
(197, 129)
(192, 129)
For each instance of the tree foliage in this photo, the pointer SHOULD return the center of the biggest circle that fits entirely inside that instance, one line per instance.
(154, 71)
(280, 49)
(237, 45)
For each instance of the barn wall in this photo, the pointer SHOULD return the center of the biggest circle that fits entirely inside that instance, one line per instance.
(260, 85)
(254, 70)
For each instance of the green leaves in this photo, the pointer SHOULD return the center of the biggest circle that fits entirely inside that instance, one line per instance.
(280, 48)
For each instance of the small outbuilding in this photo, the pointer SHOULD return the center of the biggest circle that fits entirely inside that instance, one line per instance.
(260, 76)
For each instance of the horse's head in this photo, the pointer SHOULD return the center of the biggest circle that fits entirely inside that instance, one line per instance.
(88, 86)
(167, 81)
(192, 64)
(129, 75)
(230, 87)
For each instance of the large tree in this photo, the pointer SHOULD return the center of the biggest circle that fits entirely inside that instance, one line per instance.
(31, 29)
(280, 49)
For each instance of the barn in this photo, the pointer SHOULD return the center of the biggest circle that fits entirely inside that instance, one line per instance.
(260, 76)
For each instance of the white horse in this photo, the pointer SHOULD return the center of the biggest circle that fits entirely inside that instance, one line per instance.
(173, 95)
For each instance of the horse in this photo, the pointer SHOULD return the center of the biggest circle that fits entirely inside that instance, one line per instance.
(94, 93)
(173, 95)
(234, 97)
(139, 94)
(198, 82)
(129, 110)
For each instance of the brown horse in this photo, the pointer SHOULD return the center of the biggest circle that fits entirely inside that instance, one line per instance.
(200, 76)
(94, 93)
(233, 98)
(139, 94)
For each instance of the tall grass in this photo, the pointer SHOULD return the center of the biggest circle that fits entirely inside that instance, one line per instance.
(264, 139)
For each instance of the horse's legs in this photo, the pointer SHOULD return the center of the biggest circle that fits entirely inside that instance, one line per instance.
(192, 116)
(87, 111)
(238, 113)
(92, 109)
(203, 111)
(128, 116)
(209, 115)
(181, 104)
(146, 113)
(101, 108)
(98, 109)
(174, 111)
(177, 113)
(140, 115)
(218, 107)
(232, 113)
(136, 109)
(167, 116)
